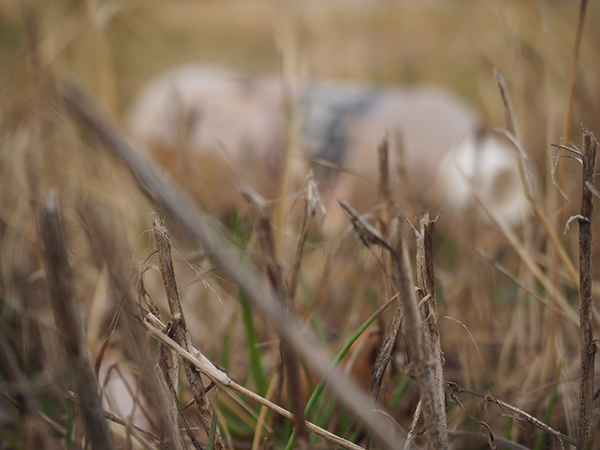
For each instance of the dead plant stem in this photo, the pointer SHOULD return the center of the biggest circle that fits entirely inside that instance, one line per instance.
(425, 279)
(68, 321)
(178, 328)
(588, 347)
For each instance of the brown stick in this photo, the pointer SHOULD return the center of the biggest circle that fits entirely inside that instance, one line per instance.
(425, 374)
(311, 202)
(456, 390)
(68, 322)
(179, 329)
(588, 347)
(384, 173)
(425, 279)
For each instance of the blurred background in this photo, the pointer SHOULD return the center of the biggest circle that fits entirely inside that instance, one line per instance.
(527, 352)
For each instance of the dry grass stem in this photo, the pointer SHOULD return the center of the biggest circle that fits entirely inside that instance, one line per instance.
(588, 346)
(68, 322)
(366, 232)
(410, 434)
(384, 355)
(456, 390)
(385, 192)
(177, 327)
(237, 315)
(424, 365)
(311, 201)
(425, 351)
(425, 278)
(509, 114)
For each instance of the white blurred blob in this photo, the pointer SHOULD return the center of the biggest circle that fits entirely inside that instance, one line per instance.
(214, 128)
(121, 394)
(489, 163)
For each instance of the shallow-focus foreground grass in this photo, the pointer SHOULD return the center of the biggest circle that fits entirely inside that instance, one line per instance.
(193, 325)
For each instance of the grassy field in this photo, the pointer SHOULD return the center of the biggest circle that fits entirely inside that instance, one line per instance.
(108, 306)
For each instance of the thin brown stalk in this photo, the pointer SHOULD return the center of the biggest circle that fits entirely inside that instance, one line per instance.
(384, 355)
(100, 56)
(588, 347)
(425, 373)
(289, 358)
(178, 327)
(311, 202)
(366, 232)
(456, 390)
(384, 175)
(53, 241)
(410, 435)
(193, 222)
(509, 114)
(543, 217)
(425, 279)
(405, 197)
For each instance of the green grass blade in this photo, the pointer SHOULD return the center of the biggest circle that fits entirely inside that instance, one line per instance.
(254, 353)
(400, 391)
(508, 432)
(226, 348)
(212, 431)
(336, 362)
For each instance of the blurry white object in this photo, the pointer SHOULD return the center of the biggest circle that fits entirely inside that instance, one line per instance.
(214, 128)
(121, 394)
(210, 125)
(489, 163)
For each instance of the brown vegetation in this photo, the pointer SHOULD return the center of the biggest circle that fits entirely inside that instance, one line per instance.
(484, 347)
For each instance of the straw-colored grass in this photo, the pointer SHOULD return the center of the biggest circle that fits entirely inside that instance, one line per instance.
(492, 353)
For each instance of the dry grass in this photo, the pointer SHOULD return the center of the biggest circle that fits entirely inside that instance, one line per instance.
(238, 299)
